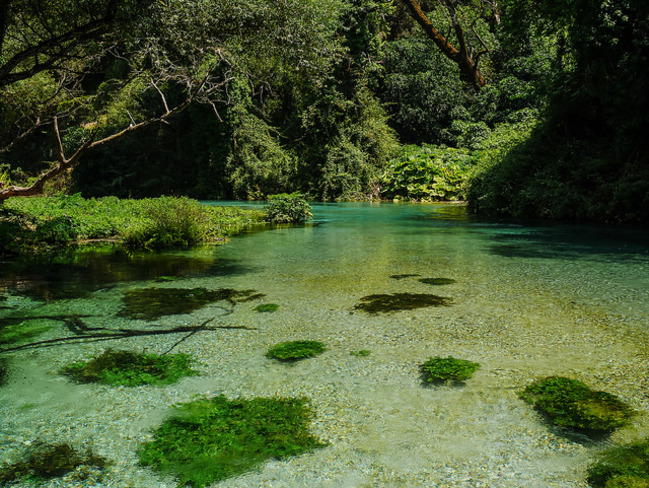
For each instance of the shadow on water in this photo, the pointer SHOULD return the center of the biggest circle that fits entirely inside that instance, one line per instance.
(570, 242)
(78, 273)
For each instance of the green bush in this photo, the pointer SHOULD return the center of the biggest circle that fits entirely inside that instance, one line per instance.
(440, 370)
(570, 403)
(125, 368)
(295, 350)
(622, 467)
(213, 439)
(428, 173)
(288, 209)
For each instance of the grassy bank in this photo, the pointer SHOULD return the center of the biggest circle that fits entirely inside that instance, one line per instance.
(42, 223)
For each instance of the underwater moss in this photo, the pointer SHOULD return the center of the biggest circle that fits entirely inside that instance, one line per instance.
(152, 303)
(360, 354)
(385, 303)
(213, 439)
(12, 332)
(570, 403)
(622, 467)
(403, 276)
(4, 371)
(295, 350)
(46, 461)
(439, 370)
(437, 281)
(267, 307)
(125, 368)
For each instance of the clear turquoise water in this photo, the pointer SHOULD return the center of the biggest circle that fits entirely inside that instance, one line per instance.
(527, 300)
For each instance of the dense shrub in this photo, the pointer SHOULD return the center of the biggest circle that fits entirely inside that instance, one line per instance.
(285, 208)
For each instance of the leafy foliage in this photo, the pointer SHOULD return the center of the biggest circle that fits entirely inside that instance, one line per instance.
(214, 439)
(288, 208)
(570, 403)
(428, 173)
(439, 370)
(126, 368)
(621, 466)
(295, 350)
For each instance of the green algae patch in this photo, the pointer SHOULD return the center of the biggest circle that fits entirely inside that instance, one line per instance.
(570, 403)
(213, 439)
(441, 370)
(126, 368)
(295, 350)
(13, 333)
(363, 353)
(267, 307)
(437, 281)
(622, 467)
(4, 371)
(46, 461)
(385, 303)
(152, 303)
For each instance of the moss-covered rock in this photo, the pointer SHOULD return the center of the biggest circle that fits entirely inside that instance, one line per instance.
(213, 439)
(622, 467)
(570, 403)
(126, 368)
(295, 350)
(440, 370)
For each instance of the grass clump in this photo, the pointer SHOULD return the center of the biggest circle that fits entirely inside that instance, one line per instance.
(267, 307)
(47, 461)
(213, 439)
(126, 368)
(152, 303)
(622, 467)
(570, 403)
(288, 208)
(385, 303)
(295, 350)
(440, 370)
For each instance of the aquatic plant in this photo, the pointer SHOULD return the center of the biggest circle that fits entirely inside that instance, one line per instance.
(437, 281)
(12, 333)
(384, 303)
(213, 439)
(267, 307)
(360, 354)
(152, 303)
(295, 350)
(439, 370)
(622, 467)
(126, 368)
(46, 461)
(4, 371)
(403, 276)
(288, 208)
(570, 403)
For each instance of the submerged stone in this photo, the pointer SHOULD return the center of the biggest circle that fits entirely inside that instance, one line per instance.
(437, 281)
(152, 303)
(46, 461)
(385, 303)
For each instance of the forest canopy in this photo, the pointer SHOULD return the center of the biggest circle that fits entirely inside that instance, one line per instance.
(526, 108)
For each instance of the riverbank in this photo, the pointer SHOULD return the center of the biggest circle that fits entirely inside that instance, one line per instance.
(37, 224)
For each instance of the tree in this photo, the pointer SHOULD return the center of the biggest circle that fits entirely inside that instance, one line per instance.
(470, 45)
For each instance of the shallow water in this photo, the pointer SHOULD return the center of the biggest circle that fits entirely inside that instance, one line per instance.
(524, 300)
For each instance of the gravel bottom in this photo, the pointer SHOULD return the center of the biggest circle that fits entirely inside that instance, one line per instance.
(383, 427)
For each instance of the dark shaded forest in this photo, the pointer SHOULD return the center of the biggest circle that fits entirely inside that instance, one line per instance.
(524, 108)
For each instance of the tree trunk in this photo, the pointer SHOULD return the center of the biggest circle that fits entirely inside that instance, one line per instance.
(468, 66)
